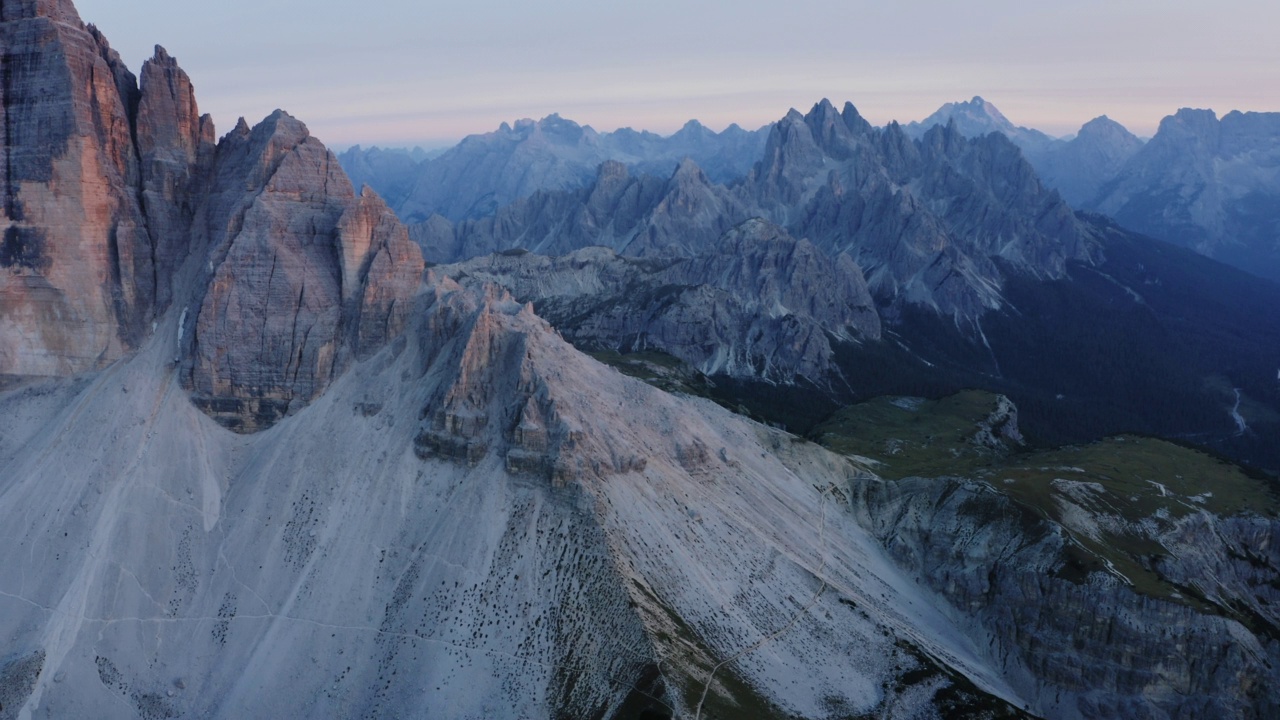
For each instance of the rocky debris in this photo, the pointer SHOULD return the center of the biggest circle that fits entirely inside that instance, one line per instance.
(18, 676)
(762, 305)
(306, 276)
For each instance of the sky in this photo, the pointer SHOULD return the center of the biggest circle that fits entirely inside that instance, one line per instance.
(408, 72)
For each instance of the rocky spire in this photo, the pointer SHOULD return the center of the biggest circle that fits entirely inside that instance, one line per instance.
(176, 146)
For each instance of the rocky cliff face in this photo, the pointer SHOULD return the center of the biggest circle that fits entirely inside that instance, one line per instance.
(175, 146)
(760, 305)
(1093, 647)
(111, 187)
(77, 287)
(1106, 577)
(306, 276)
(101, 178)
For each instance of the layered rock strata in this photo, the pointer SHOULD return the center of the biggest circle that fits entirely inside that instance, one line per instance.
(306, 276)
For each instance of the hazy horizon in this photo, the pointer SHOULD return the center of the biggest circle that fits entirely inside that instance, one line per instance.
(401, 74)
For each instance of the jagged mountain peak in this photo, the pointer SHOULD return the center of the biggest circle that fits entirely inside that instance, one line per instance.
(854, 120)
(976, 116)
(693, 128)
(1205, 183)
(1103, 126)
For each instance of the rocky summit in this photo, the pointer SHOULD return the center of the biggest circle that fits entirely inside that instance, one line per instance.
(258, 460)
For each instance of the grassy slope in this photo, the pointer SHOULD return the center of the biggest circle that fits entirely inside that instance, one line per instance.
(1124, 480)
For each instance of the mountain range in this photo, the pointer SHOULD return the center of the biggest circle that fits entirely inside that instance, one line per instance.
(486, 172)
(1202, 182)
(264, 455)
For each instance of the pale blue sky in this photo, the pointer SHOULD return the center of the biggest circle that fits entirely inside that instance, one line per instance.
(398, 72)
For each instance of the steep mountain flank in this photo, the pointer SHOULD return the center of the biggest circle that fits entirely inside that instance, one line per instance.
(1208, 184)
(1080, 167)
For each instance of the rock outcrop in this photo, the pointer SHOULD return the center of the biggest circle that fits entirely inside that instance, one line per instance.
(176, 151)
(112, 187)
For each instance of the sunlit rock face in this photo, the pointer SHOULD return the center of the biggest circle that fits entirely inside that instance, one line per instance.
(111, 187)
(100, 179)
(76, 287)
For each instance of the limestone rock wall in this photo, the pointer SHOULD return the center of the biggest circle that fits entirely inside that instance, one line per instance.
(75, 260)
(304, 274)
